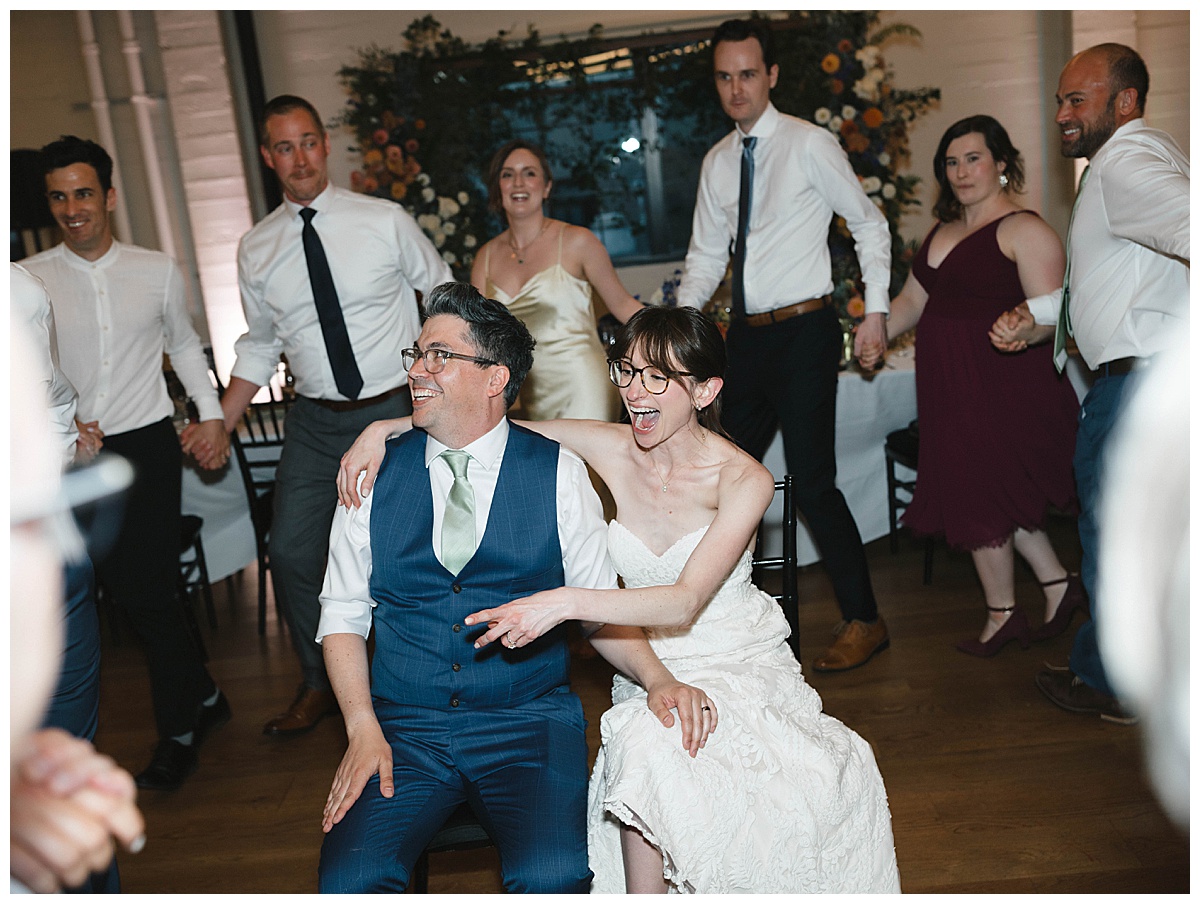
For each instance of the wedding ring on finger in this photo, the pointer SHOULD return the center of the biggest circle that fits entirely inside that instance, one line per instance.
(509, 642)
(706, 709)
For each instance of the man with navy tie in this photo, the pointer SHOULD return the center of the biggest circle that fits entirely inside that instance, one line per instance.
(329, 278)
(468, 511)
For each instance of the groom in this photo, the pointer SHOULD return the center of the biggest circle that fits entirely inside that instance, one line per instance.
(468, 512)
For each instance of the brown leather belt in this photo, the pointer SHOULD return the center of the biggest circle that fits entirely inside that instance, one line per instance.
(792, 310)
(340, 405)
(1119, 367)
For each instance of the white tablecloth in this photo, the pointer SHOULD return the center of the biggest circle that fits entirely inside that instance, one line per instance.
(868, 409)
(220, 499)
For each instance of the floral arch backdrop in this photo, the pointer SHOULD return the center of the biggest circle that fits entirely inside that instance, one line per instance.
(427, 118)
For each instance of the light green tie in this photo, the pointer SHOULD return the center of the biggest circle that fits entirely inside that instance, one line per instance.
(1063, 329)
(458, 524)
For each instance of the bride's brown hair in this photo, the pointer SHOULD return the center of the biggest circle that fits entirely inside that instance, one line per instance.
(677, 340)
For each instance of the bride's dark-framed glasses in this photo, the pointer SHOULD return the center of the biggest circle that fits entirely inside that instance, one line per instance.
(654, 380)
(435, 359)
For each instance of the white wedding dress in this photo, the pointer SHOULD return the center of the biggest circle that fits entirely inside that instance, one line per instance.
(783, 798)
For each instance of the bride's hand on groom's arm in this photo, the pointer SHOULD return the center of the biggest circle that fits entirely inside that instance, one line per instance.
(522, 621)
(697, 712)
(366, 455)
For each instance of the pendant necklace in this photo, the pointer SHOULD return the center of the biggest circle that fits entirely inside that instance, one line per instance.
(658, 474)
(518, 254)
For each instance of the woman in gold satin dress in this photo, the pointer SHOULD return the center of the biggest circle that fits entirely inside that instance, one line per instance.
(544, 271)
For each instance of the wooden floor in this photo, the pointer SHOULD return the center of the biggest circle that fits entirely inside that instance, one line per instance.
(992, 789)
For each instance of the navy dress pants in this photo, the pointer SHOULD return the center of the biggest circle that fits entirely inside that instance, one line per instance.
(523, 771)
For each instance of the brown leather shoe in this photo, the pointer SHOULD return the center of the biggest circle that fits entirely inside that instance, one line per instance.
(855, 643)
(309, 708)
(1066, 690)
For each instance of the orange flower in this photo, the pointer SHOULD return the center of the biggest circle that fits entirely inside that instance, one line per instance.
(411, 145)
(370, 184)
(856, 307)
(411, 167)
(845, 46)
(420, 124)
(849, 127)
(399, 190)
(837, 86)
(380, 136)
(857, 143)
(372, 158)
(872, 118)
(831, 63)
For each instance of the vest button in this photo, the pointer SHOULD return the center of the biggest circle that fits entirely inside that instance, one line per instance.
(454, 701)
(456, 588)
(457, 628)
(456, 667)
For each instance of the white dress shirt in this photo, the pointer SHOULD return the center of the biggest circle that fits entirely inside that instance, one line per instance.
(1130, 249)
(116, 317)
(377, 254)
(802, 178)
(31, 307)
(346, 602)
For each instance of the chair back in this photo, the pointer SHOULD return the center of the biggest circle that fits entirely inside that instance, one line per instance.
(788, 596)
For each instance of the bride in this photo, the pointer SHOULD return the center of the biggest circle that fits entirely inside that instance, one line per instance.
(782, 797)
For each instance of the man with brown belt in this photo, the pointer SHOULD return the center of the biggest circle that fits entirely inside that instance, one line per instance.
(768, 192)
(1125, 297)
(328, 278)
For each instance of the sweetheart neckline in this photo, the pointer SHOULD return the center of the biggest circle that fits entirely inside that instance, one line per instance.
(521, 291)
(667, 551)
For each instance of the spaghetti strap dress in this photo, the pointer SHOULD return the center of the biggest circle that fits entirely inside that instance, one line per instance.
(997, 430)
(570, 372)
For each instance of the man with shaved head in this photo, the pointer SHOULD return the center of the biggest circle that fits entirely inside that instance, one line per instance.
(1124, 297)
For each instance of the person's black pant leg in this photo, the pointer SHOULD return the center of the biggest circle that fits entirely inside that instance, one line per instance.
(142, 571)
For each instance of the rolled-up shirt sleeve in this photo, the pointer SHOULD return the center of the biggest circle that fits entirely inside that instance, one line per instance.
(346, 603)
(1044, 308)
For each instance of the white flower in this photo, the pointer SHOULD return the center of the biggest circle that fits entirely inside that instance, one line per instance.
(889, 191)
(867, 55)
(878, 200)
(448, 257)
(871, 184)
(428, 194)
(835, 124)
(439, 238)
(448, 228)
(885, 158)
(469, 241)
(848, 112)
(423, 178)
(430, 222)
(822, 116)
(463, 197)
(447, 207)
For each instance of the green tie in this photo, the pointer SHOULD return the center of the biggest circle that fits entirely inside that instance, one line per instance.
(1063, 328)
(458, 524)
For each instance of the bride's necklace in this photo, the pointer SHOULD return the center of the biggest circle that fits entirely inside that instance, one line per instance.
(518, 253)
(657, 473)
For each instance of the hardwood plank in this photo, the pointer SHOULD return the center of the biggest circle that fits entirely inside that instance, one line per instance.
(992, 789)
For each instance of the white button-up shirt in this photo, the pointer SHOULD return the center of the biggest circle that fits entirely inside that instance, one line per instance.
(1130, 249)
(346, 602)
(377, 254)
(115, 319)
(802, 178)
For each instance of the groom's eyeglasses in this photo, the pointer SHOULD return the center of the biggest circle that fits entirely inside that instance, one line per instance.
(435, 359)
(653, 380)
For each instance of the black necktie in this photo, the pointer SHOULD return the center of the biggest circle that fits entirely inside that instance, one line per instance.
(739, 248)
(329, 310)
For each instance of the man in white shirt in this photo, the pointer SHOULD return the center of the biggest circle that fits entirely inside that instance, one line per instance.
(784, 339)
(1126, 298)
(118, 308)
(365, 256)
(468, 511)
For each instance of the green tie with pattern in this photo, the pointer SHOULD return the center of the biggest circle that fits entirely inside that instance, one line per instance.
(1063, 329)
(458, 524)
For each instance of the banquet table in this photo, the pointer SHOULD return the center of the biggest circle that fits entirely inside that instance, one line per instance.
(219, 497)
(869, 407)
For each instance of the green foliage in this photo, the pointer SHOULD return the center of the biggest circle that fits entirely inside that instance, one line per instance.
(428, 118)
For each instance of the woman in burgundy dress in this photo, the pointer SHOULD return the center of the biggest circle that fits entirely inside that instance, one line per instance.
(997, 429)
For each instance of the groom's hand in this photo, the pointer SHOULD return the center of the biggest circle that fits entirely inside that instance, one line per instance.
(368, 754)
(697, 712)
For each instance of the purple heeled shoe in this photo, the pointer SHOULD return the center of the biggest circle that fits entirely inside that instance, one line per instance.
(1016, 628)
(1074, 598)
